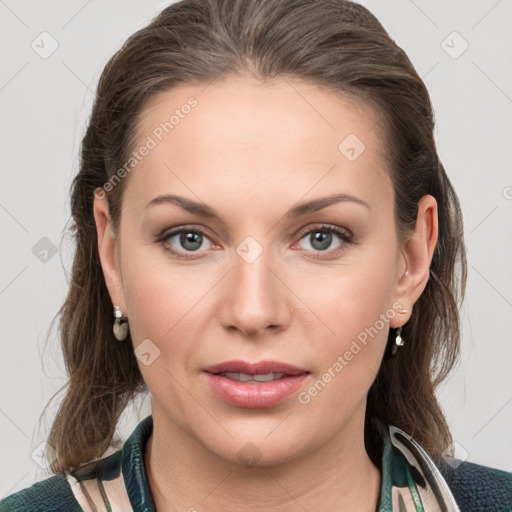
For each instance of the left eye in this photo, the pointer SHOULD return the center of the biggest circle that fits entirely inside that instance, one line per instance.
(321, 238)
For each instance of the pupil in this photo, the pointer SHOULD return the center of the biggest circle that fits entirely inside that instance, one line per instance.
(323, 238)
(193, 238)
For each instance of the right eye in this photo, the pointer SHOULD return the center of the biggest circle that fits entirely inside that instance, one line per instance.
(190, 240)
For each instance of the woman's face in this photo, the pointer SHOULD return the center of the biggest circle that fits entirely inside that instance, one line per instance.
(257, 280)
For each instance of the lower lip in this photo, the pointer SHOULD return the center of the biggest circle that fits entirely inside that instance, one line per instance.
(252, 394)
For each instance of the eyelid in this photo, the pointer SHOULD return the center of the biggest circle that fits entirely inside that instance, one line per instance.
(168, 233)
(344, 234)
(322, 226)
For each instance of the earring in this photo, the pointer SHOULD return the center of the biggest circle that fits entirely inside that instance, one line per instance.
(399, 342)
(120, 324)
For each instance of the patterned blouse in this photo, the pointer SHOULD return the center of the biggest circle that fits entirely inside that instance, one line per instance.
(410, 482)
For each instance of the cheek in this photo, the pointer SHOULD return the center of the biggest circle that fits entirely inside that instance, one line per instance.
(350, 298)
(161, 306)
(164, 305)
(354, 306)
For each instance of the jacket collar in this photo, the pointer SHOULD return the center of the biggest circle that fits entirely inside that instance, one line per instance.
(410, 481)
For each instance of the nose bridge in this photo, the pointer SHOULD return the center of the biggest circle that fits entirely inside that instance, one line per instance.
(253, 295)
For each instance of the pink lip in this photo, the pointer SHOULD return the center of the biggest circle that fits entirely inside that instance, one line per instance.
(259, 368)
(254, 394)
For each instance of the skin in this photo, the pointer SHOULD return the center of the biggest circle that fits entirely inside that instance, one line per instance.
(252, 151)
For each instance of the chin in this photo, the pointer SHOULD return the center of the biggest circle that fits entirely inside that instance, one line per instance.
(260, 449)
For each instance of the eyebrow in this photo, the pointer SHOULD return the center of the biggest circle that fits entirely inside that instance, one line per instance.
(298, 211)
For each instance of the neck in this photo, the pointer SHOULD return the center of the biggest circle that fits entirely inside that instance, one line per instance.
(184, 475)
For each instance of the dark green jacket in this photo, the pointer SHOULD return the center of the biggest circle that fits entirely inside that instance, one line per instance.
(119, 481)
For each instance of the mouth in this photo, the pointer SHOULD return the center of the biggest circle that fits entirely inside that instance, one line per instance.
(246, 377)
(255, 369)
(254, 385)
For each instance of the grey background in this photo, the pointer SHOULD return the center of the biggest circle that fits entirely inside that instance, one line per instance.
(45, 104)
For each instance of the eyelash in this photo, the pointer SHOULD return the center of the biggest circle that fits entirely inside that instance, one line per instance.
(343, 234)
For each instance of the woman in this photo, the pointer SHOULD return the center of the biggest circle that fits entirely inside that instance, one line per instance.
(292, 351)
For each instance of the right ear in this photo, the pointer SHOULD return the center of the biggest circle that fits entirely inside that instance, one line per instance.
(107, 249)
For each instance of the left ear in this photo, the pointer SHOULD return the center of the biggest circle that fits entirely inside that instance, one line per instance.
(417, 254)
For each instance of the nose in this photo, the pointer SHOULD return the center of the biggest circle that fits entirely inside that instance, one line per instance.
(255, 297)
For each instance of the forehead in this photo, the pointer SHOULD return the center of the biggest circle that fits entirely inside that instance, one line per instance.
(250, 137)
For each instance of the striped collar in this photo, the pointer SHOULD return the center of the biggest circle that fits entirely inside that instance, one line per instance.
(410, 481)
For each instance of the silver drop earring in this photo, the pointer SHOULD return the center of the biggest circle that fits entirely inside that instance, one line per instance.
(120, 324)
(399, 342)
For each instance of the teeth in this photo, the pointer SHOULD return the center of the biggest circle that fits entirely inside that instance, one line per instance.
(267, 377)
(245, 377)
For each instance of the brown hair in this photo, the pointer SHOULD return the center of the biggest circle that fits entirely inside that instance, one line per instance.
(333, 43)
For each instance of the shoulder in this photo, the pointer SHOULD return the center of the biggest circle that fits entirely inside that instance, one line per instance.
(53, 494)
(95, 485)
(70, 492)
(478, 488)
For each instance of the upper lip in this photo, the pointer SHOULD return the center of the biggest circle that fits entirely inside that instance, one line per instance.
(257, 368)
